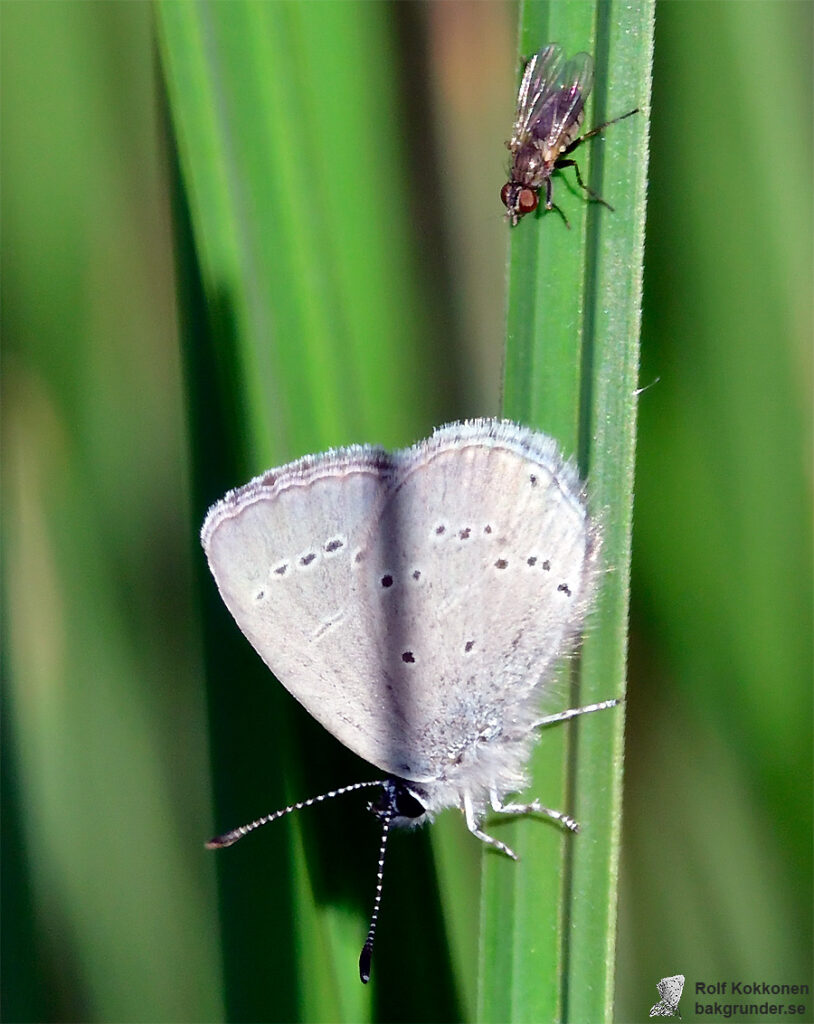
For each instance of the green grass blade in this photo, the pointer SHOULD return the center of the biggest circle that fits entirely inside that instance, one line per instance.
(615, 328)
(548, 935)
(717, 857)
(108, 902)
(293, 164)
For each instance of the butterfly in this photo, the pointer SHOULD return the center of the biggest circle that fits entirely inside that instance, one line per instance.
(670, 990)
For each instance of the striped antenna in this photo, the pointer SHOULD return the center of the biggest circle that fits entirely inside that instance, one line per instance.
(228, 838)
(386, 817)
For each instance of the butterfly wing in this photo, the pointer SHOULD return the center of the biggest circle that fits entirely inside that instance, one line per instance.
(494, 569)
(285, 552)
(670, 990)
(411, 602)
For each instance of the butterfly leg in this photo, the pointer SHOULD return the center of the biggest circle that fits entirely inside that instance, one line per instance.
(473, 825)
(535, 807)
(563, 716)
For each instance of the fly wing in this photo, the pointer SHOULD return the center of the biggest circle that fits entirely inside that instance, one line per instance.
(537, 88)
(557, 122)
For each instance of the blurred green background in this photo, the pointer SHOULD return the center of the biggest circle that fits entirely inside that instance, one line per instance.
(136, 721)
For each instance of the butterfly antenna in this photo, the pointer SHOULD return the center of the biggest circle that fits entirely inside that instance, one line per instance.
(228, 838)
(367, 950)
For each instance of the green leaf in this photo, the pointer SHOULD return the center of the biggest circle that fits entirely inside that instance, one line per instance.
(549, 922)
(311, 309)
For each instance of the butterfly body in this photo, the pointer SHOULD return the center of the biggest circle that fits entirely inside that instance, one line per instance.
(416, 603)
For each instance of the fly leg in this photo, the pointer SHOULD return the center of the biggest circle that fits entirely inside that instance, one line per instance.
(594, 195)
(599, 128)
(551, 205)
(564, 162)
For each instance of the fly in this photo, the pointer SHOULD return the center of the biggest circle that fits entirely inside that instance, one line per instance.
(550, 112)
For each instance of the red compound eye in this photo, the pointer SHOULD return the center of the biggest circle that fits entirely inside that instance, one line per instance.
(527, 200)
(506, 193)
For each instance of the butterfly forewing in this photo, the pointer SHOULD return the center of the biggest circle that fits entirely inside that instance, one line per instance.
(283, 551)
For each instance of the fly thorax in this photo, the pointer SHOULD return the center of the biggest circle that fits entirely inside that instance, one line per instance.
(528, 164)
